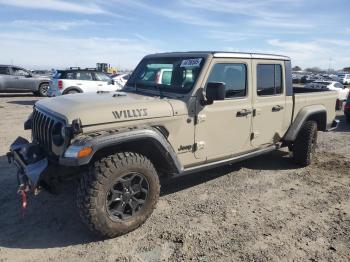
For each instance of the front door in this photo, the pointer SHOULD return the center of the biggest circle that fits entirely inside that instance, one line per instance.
(268, 102)
(20, 80)
(223, 128)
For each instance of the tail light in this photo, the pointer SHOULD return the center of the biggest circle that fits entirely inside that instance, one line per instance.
(60, 84)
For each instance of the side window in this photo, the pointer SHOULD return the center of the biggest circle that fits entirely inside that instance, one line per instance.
(68, 75)
(101, 77)
(4, 70)
(19, 72)
(269, 80)
(233, 75)
(83, 76)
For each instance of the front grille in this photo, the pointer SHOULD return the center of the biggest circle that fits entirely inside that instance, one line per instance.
(42, 129)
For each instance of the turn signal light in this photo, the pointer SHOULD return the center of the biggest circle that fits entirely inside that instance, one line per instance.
(84, 152)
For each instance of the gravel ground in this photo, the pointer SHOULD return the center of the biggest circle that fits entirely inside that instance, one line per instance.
(263, 209)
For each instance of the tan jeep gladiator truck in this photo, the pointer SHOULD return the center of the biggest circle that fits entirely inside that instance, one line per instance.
(179, 113)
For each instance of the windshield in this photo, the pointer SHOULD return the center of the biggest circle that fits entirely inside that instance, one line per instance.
(168, 74)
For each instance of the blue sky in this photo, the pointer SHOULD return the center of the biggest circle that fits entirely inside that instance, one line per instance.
(60, 33)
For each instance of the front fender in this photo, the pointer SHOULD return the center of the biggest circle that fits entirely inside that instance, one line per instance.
(102, 140)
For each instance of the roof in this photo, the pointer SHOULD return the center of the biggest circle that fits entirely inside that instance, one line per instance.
(223, 54)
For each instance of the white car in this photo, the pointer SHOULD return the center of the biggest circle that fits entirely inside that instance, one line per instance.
(80, 81)
(344, 79)
(343, 92)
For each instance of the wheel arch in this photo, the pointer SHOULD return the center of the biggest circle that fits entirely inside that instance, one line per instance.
(66, 90)
(41, 83)
(317, 113)
(148, 142)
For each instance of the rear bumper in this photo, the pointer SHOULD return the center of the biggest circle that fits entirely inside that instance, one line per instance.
(334, 125)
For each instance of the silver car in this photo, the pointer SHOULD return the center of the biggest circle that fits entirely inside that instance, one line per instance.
(15, 79)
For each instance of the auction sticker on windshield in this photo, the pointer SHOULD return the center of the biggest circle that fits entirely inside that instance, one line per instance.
(195, 62)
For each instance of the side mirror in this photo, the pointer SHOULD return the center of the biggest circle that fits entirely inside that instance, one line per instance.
(215, 91)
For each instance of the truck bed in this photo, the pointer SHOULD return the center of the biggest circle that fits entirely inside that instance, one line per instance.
(304, 97)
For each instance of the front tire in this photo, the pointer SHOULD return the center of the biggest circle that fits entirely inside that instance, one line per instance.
(118, 193)
(305, 144)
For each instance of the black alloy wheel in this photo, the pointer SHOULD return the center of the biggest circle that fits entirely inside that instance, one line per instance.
(127, 196)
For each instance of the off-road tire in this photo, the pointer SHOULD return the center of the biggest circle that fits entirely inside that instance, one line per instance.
(43, 88)
(305, 144)
(96, 182)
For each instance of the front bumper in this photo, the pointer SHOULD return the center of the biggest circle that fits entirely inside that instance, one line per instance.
(30, 161)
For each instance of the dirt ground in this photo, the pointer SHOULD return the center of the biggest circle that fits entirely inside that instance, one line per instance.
(258, 210)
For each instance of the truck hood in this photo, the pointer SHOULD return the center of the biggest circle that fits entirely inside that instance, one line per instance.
(109, 107)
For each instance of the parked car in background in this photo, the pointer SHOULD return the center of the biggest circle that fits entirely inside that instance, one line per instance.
(342, 91)
(309, 78)
(347, 109)
(344, 79)
(121, 79)
(80, 81)
(14, 79)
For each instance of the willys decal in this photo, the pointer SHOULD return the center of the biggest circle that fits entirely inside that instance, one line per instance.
(130, 113)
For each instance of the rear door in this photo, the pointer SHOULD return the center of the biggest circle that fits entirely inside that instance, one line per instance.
(22, 80)
(223, 128)
(268, 102)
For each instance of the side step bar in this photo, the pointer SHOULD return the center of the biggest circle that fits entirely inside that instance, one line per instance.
(232, 160)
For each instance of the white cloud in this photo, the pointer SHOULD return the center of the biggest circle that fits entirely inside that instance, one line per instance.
(257, 13)
(49, 25)
(56, 5)
(310, 53)
(178, 14)
(42, 50)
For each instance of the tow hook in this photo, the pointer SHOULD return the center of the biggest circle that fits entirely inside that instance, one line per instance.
(23, 189)
(23, 194)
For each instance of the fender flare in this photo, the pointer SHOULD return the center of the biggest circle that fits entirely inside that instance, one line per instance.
(72, 87)
(107, 140)
(304, 115)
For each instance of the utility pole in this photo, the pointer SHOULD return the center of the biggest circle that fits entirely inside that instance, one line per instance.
(330, 63)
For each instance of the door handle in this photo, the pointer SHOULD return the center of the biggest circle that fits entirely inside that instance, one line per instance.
(243, 112)
(79, 84)
(277, 108)
(100, 85)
